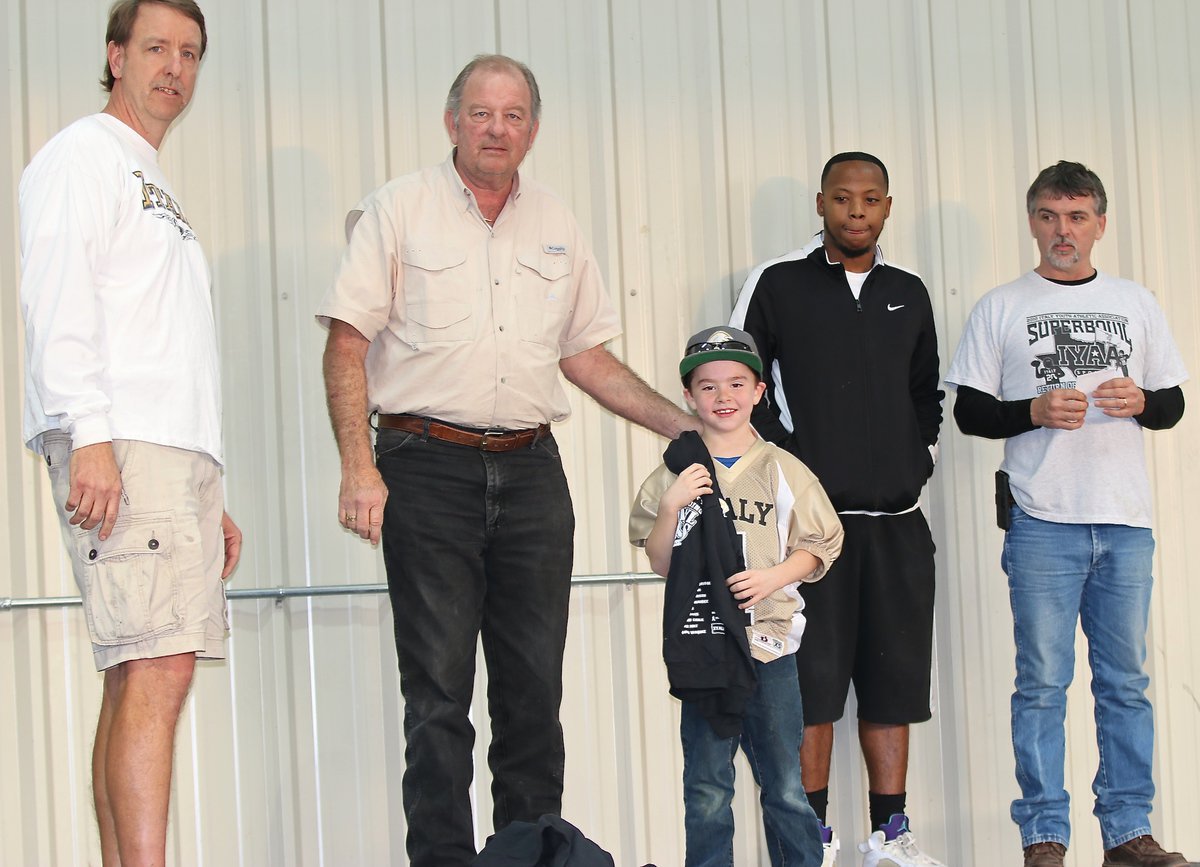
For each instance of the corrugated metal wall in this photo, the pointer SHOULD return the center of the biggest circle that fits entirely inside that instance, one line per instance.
(688, 135)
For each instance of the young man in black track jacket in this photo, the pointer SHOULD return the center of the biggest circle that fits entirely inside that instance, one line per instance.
(849, 347)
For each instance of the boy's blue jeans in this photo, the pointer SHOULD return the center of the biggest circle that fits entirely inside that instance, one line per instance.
(771, 733)
(1098, 575)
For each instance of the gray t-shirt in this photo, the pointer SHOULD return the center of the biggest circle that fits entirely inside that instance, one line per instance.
(1032, 335)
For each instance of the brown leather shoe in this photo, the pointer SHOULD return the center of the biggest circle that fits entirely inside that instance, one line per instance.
(1143, 851)
(1048, 854)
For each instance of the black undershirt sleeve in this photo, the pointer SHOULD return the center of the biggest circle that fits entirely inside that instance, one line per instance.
(980, 414)
(1164, 408)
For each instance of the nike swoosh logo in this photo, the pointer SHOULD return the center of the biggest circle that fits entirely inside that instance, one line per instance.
(897, 307)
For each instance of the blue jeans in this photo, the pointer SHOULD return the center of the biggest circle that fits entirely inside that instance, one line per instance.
(476, 543)
(771, 732)
(1098, 575)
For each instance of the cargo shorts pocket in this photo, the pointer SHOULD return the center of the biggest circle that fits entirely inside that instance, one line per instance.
(130, 587)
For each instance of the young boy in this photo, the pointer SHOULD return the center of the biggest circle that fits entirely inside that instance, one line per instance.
(787, 532)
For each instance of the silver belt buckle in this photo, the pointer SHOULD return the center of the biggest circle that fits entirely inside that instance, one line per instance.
(491, 432)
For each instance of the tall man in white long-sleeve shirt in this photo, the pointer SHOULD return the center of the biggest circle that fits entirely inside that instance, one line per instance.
(123, 401)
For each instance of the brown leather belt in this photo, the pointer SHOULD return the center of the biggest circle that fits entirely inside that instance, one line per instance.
(484, 440)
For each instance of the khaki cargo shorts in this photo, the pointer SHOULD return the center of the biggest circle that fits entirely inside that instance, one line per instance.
(153, 587)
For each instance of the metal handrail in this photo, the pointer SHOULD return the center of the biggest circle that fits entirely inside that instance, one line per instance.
(281, 593)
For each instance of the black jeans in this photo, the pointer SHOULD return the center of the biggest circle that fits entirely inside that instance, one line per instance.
(476, 542)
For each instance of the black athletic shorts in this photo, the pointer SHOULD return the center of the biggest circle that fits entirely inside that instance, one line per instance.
(870, 621)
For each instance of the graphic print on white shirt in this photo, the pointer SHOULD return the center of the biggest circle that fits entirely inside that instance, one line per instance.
(162, 205)
(1067, 347)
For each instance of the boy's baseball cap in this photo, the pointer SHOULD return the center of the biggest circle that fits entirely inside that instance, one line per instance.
(722, 343)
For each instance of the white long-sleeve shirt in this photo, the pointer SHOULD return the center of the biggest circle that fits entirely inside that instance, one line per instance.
(119, 335)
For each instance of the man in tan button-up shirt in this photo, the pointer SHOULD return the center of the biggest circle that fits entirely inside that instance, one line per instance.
(463, 291)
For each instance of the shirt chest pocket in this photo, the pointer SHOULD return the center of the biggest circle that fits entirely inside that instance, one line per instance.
(439, 295)
(543, 294)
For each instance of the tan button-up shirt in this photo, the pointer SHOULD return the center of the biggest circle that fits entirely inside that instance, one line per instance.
(468, 322)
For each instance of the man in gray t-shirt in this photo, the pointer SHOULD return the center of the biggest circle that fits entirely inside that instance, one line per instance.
(1068, 365)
